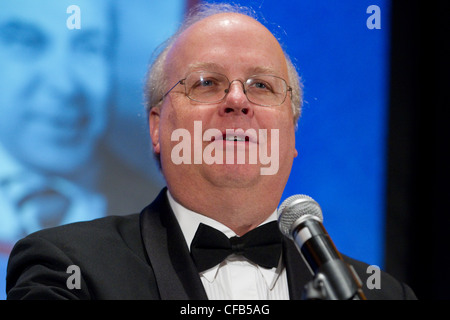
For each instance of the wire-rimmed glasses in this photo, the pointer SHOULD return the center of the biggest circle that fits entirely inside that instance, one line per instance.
(212, 87)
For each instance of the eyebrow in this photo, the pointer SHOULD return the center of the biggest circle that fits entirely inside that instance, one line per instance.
(205, 66)
(262, 70)
(212, 66)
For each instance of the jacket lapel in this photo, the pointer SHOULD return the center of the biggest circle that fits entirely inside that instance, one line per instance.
(168, 254)
(298, 274)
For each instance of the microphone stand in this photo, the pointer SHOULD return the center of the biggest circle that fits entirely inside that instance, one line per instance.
(335, 280)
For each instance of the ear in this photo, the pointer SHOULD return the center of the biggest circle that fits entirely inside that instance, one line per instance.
(153, 120)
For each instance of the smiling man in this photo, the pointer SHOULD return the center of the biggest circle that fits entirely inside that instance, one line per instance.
(225, 70)
(56, 90)
(47, 84)
(209, 53)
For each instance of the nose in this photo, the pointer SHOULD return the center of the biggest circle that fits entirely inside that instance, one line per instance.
(236, 102)
(59, 76)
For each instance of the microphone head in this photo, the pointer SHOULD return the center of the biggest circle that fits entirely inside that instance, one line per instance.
(295, 209)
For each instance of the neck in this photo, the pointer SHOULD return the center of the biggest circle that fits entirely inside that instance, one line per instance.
(240, 209)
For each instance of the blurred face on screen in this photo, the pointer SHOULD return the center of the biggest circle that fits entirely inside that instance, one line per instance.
(54, 81)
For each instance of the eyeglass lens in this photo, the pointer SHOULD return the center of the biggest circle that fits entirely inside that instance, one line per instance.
(210, 87)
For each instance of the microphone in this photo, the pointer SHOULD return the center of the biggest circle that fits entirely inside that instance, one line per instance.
(300, 219)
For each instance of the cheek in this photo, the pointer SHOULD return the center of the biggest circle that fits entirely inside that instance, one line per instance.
(290, 139)
(285, 129)
(285, 139)
(171, 120)
(181, 113)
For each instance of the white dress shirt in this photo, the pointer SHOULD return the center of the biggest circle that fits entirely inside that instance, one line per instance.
(235, 278)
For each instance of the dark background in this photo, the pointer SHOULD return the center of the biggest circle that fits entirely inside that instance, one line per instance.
(417, 245)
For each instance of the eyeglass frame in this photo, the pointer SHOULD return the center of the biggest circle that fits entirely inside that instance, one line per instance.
(181, 81)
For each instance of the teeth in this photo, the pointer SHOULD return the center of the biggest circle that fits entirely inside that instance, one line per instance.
(234, 138)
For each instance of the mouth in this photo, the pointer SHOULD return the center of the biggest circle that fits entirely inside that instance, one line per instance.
(237, 136)
(61, 120)
(63, 129)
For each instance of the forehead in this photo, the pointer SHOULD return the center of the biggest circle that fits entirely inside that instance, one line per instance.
(234, 43)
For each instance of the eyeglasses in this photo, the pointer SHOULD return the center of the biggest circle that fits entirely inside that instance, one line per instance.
(211, 87)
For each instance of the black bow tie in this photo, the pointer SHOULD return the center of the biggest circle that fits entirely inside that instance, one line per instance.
(261, 246)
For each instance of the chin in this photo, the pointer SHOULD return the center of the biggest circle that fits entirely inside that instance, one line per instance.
(60, 162)
(234, 175)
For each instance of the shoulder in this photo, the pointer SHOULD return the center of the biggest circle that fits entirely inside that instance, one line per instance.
(109, 254)
(88, 240)
(103, 249)
(378, 284)
(102, 231)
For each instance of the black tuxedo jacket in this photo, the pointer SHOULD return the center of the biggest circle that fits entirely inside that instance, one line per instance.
(139, 256)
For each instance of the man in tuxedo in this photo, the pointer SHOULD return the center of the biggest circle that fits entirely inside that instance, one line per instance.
(221, 89)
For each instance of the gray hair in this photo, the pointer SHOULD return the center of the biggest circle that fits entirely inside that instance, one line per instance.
(156, 83)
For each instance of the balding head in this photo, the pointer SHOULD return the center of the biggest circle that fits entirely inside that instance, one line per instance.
(158, 83)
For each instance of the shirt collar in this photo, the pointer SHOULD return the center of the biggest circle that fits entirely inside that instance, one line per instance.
(189, 221)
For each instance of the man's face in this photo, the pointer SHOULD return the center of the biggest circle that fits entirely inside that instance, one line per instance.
(54, 82)
(237, 47)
